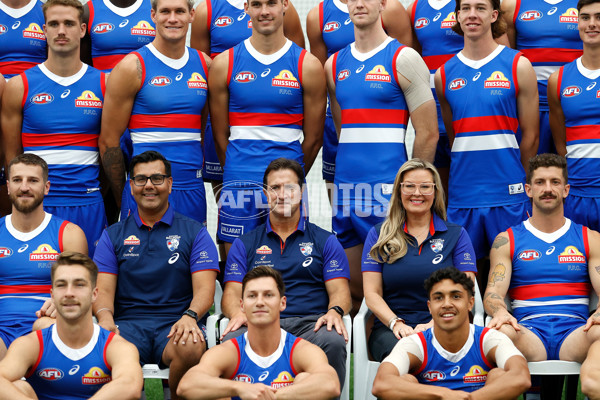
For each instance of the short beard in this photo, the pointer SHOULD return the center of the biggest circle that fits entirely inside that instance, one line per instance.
(26, 209)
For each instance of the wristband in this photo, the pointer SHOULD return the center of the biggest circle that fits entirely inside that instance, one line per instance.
(393, 322)
(104, 309)
(338, 310)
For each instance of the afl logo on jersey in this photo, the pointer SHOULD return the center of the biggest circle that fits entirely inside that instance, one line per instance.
(529, 255)
(343, 74)
(433, 376)
(5, 252)
(104, 27)
(571, 91)
(245, 77)
(331, 27)
(51, 374)
(224, 21)
(3, 29)
(530, 15)
(421, 23)
(160, 81)
(457, 83)
(243, 378)
(42, 98)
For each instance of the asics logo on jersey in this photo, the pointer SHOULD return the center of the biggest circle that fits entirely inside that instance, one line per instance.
(224, 21)
(74, 370)
(437, 16)
(3, 29)
(552, 10)
(263, 376)
(591, 86)
(65, 93)
(348, 21)
(550, 250)
(331, 27)
(530, 15)
(477, 75)
(123, 23)
(360, 68)
(421, 23)
(104, 27)
(438, 259)
(265, 72)
(245, 77)
(23, 248)
(455, 370)
(179, 76)
(571, 91)
(241, 16)
(16, 24)
(174, 258)
(307, 262)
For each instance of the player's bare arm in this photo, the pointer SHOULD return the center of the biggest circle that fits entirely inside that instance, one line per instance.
(336, 112)
(21, 356)
(498, 284)
(445, 107)
(528, 110)
(396, 21)
(218, 100)
(594, 272)
(292, 28)
(557, 117)
(121, 88)
(508, 11)
(127, 380)
(200, 36)
(314, 96)
(315, 36)
(11, 119)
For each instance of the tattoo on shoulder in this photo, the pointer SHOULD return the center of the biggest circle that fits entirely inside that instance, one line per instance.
(499, 242)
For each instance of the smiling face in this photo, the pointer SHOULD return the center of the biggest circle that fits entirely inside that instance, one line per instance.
(417, 203)
(547, 189)
(172, 19)
(589, 24)
(266, 15)
(364, 13)
(261, 301)
(26, 187)
(72, 291)
(449, 304)
(476, 17)
(151, 198)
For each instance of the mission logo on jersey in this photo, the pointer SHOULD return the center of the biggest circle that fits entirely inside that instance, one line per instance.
(264, 249)
(378, 74)
(285, 79)
(88, 99)
(497, 80)
(104, 27)
(44, 252)
(571, 16)
(143, 28)
(131, 240)
(476, 374)
(197, 82)
(33, 31)
(571, 255)
(95, 376)
(283, 379)
(449, 21)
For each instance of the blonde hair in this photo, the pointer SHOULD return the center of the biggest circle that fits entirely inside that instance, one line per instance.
(392, 243)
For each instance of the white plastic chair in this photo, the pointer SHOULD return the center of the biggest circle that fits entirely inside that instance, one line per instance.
(345, 395)
(366, 369)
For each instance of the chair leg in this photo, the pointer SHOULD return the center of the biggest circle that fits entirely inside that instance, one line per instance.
(572, 386)
(552, 387)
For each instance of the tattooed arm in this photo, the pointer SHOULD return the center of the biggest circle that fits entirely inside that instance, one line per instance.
(498, 283)
(594, 271)
(121, 88)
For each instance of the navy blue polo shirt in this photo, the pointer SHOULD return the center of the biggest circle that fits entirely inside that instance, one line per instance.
(155, 265)
(308, 258)
(446, 245)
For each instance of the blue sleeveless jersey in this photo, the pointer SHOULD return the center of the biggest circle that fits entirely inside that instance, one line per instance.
(486, 169)
(25, 261)
(264, 130)
(61, 124)
(549, 271)
(22, 40)
(228, 25)
(337, 29)
(374, 116)
(276, 370)
(63, 373)
(547, 35)
(439, 43)
(579, 94)
(115, 32)
(469, 373)
(174, 130)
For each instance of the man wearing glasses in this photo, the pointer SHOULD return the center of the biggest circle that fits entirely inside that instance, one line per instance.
(157, 274)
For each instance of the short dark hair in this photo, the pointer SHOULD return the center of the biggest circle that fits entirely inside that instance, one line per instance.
(285, 163)
(29, 159)
(147, 157)
(454, 275)
(264, 272)
(498, 27)
(547, 160)
(154, 4)
(583, 3)
(67, 3)
(74, 258)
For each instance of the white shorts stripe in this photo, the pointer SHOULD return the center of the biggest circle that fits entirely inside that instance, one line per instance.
(161, 137)
(533, 303)
(583, 150)
(372, 135)
(68, 157)
(266, 133)
(485, 142)
(543, 72)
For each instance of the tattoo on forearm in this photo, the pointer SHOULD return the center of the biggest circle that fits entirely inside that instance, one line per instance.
(491, 303)
(499, 242)
(114, 166)
(497, 275)
(140, 72)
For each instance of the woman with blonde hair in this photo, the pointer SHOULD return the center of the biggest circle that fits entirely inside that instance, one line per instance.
(401, 252)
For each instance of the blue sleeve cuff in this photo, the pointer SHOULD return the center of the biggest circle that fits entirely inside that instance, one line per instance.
(463, 256)
(205, 256)
(104, 256)
(235, 267)
(367, 263)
